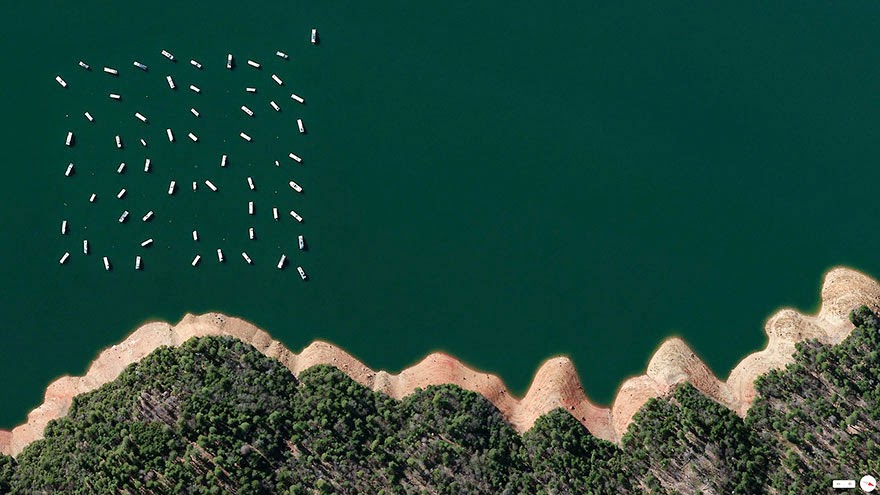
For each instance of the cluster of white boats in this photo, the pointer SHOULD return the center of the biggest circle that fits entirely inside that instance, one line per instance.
(70, 141)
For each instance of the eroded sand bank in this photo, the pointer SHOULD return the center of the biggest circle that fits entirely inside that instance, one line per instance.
(556, 383)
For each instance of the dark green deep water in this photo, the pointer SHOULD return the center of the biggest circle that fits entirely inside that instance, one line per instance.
(504, 181)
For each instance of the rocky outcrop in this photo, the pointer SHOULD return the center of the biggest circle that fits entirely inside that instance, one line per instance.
(556, 383)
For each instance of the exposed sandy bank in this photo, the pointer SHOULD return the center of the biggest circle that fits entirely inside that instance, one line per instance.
(556, 383)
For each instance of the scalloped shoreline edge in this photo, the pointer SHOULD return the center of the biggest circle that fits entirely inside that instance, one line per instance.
(555, 384)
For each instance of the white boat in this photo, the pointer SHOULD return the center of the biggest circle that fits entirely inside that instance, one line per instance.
(168, 55)
(64, 227)
(112, 71)
(147, 242)
(297, 98)
(93, 197)
(223, 161)
(64, 258)
(140, 116)
(302, 242)
(195, 260)
(211, 185)
(89, 117)
(194, 138)
(251, 233)
(62, 82)
(143, 143)
(250, 207)
(282, 261)
(275, 106)
(137, 262)
(140, 65)
(170, 82)
(220, 255)
(245, 136)
(84, 65)
(121, 193)
(299, 124)
(69, 171)
(85, 246)
(69, 140)
(275, 213)
(314, 36)
(195, 185)
(282, 55)
(123, 217)
(277, 80)
(195, 64)
(121, 168)
(146, 165)
(195, 88)
(229, 61)
(295, 158)
(195, 235)
(118, 142)
(277, 163)
(246, 258)
(296, 187)
(296, 216)
(250, 182)
(114, 96)
(194, 111)
(106, 263)
(148, 216)
(247, 111)
(171, 188)
(251, 90)
(253, 64)
(302, 273)
(170, 135)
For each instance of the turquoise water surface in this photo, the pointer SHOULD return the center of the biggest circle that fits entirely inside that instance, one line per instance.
(504, 181)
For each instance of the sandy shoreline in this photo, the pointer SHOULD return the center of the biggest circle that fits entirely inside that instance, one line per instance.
(556, 383)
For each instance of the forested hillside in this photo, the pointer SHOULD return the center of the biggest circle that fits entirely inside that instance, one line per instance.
(216, 416)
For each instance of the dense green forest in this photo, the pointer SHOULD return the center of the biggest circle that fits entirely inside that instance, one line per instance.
(216, 416)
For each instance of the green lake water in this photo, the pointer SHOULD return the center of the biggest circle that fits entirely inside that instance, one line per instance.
(504, 181)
